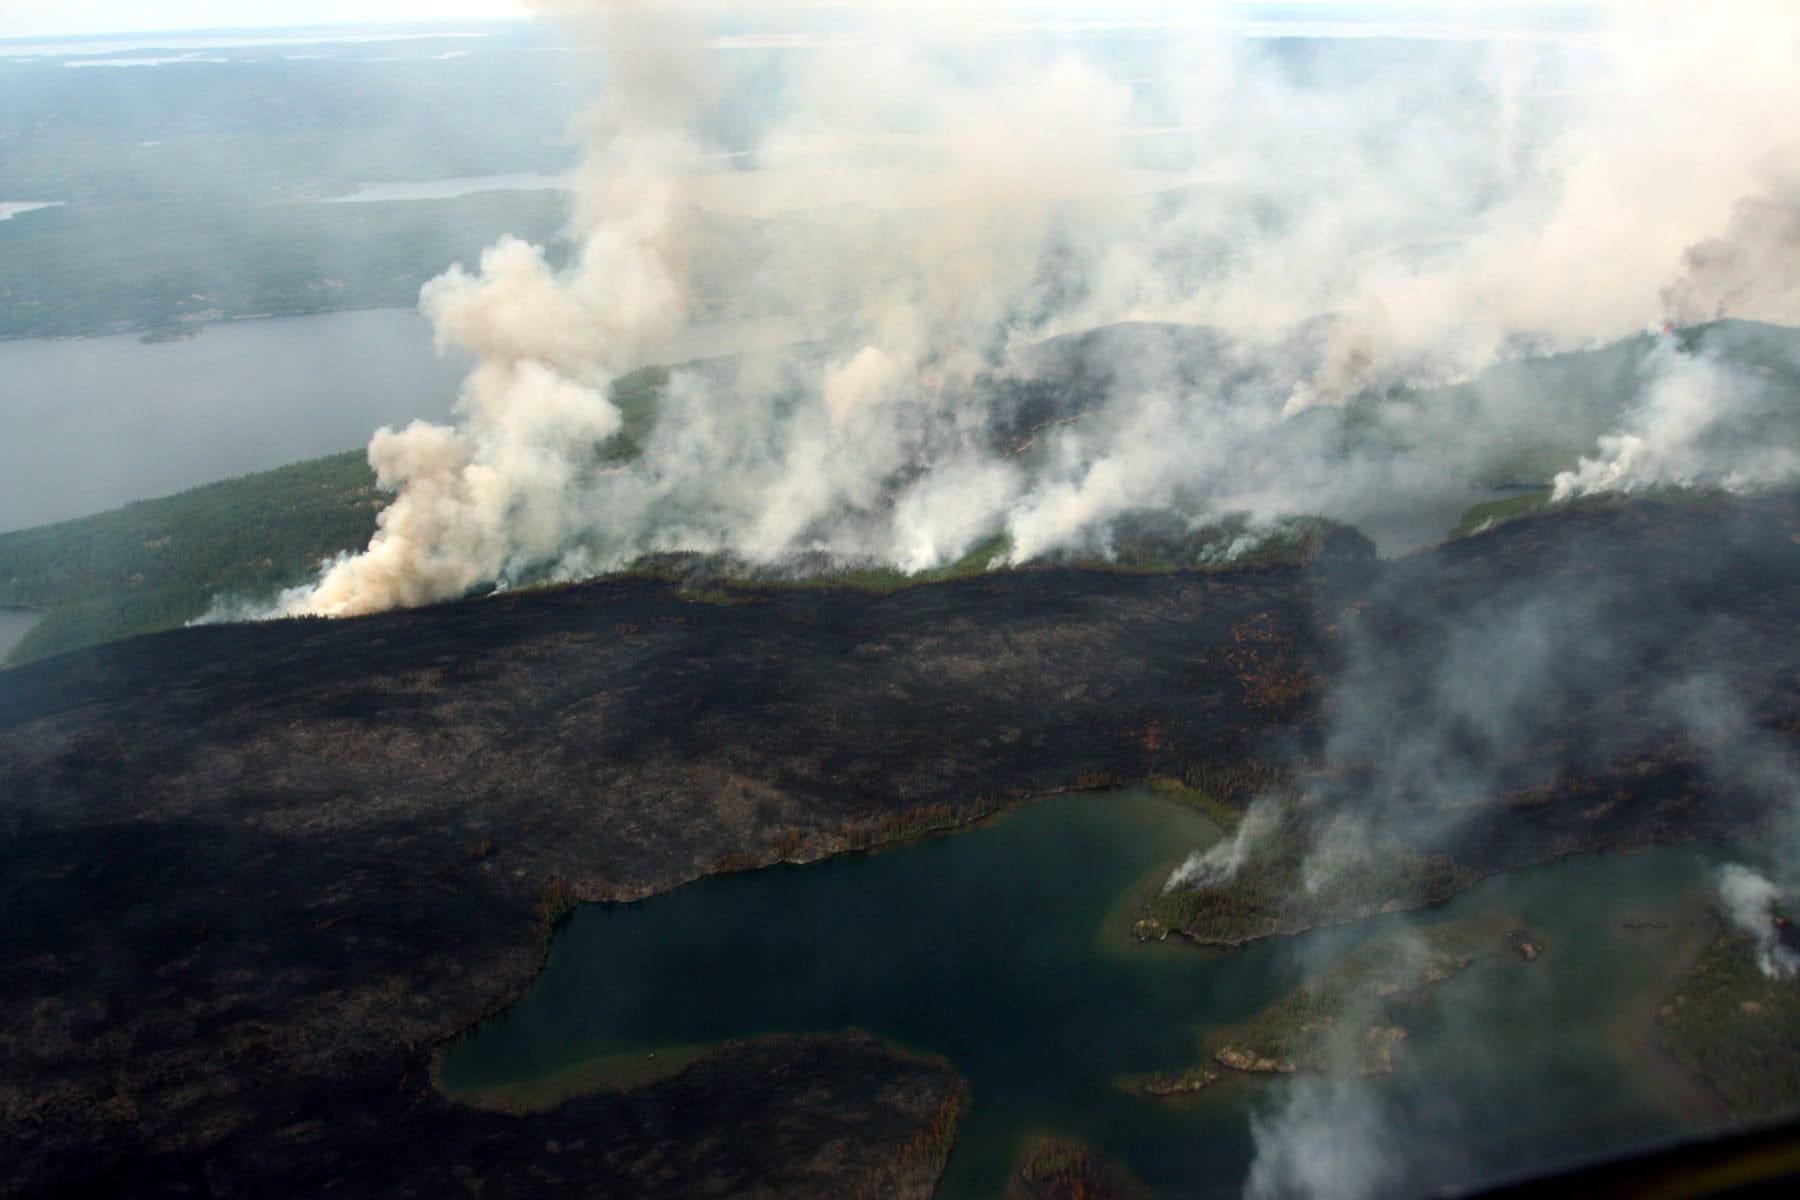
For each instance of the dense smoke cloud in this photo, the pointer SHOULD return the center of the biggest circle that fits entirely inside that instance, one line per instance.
(505, 485)
(934, 206)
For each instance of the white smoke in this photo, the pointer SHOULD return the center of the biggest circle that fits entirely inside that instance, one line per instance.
(1220, 862)
(1687, 428)
(1746, 759)
(1328, 1139)
(501, 490)
(937, 213)
(1752, 901)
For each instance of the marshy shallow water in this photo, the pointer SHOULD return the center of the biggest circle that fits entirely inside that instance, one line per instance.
(1005, 949)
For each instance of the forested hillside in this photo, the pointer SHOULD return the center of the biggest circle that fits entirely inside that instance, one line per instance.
(157, 563)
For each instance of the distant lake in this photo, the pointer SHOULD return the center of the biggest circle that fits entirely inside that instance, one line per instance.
(88, 424)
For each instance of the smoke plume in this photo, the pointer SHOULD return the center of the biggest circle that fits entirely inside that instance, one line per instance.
(960, 212)
(1325, 1139)
(1752, 901)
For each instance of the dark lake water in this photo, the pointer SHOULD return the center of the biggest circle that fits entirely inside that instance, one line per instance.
(1005, 950)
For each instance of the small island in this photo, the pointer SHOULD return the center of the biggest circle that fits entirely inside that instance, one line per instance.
(1253, 885)
(1059, 1168)
(1341, 1021)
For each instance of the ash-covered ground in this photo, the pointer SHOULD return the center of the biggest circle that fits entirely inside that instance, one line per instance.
(253, 875)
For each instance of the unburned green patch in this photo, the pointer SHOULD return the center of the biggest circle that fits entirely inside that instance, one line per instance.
(1736, 1027)
(1494, 513)
(1270, 890)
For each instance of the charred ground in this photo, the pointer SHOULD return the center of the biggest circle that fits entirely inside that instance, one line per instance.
(253, 875)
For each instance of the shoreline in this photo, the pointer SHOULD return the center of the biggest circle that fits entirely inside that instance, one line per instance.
(140, 328)
(1638, 1035)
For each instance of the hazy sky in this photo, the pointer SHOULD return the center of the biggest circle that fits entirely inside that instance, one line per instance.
(41, 18)
(38, 18)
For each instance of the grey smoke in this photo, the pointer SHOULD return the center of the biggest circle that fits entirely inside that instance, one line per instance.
(1342, 1136)
(1221, 861)
(1324, 1139)
(1752, 269)
(1746, 759)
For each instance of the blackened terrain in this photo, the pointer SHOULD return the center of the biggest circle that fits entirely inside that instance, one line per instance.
(252, 876)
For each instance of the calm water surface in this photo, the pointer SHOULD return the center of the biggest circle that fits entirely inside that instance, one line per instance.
(1004, 950)
(87, 424)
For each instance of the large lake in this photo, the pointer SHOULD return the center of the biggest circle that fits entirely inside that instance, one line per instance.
(87, 424)
(1004, 949)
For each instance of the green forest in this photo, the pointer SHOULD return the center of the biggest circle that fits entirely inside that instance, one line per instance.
(1735, 1027)
(157, 563)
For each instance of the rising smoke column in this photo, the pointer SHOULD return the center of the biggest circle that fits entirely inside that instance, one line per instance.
(495, 492)
(874, 453)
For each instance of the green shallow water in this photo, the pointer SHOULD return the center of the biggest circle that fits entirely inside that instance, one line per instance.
(1004, 949)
